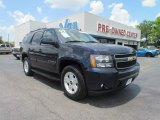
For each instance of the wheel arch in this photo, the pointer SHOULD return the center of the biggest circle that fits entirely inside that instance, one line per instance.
(149, 53)
(23, 56)
(65, 62)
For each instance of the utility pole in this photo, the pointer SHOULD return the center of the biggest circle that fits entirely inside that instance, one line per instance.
(8, 38)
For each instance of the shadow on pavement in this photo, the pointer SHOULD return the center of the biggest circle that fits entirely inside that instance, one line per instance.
(108, 100)
(51, 83)
(148, 57)
(115, 98)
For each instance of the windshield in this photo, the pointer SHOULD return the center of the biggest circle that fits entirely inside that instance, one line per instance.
(151, 47)
(66, 36)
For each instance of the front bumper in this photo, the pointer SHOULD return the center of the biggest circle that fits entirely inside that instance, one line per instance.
(16, 54)
(109, 79)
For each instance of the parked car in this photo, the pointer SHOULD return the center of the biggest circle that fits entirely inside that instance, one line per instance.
(153, 48)
(16, 52)
(82, 64)
(4, 48)
(147, 52)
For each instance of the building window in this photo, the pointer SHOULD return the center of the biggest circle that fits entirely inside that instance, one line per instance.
(119, 43)
(105, 40)
(132, 46)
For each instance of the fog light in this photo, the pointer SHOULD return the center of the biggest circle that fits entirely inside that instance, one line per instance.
(102, 85)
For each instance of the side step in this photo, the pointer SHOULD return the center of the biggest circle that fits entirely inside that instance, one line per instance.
(49, 76)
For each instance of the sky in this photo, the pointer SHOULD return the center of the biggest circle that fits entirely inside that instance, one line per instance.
(129, 12)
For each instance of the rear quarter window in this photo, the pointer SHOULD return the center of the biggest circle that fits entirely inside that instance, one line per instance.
(27, 38)
(24, 39)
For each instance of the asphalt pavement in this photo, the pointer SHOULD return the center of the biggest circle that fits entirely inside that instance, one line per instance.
(38, 98)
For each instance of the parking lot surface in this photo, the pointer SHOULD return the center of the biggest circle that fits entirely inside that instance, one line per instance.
(37, 98)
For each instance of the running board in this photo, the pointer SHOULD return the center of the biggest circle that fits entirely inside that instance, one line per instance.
(49, 76)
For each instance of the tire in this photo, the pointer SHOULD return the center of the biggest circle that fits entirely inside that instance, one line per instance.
(27, 67)
(18, 58)
(149, 55)
(73, 83)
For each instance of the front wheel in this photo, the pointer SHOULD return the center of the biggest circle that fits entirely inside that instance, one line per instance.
(73, 83)
(27, 67)
(18, 58)
(149, 55)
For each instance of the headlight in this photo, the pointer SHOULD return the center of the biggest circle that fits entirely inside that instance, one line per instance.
(101, 61)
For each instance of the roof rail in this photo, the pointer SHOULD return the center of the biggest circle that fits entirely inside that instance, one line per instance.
(38, 29)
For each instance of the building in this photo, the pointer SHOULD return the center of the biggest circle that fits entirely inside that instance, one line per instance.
(23, 29)
(106, 31)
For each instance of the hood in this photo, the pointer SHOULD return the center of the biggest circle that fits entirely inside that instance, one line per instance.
(105, 48)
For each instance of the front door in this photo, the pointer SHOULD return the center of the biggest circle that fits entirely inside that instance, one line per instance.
(141, 52)
(48, 53)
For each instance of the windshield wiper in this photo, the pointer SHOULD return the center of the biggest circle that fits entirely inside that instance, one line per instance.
(74, 41)
(91, 42)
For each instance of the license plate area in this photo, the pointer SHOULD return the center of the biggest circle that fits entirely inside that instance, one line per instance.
(129, 81)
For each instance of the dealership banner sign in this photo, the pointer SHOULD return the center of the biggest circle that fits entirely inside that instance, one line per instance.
(116, 31)
(69, 25)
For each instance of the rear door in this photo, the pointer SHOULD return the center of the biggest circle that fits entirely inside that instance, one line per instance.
(34, 48)
(48, 53)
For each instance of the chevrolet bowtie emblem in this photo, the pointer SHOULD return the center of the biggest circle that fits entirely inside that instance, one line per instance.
(131, 58)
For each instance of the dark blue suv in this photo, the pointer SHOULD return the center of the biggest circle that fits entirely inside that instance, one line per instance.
(82, 64)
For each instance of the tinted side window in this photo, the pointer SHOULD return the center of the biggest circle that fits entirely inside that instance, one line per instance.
(141, 49)
(29, 37)
(50, 34)
(2, 45)
(24, 39)
(7, 46)
(37, 38)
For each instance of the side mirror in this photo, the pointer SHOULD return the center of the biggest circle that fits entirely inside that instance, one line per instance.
(49, 41)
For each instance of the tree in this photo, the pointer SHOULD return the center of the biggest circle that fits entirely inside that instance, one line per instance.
(156, 31)
(1, 41)
(146, 28)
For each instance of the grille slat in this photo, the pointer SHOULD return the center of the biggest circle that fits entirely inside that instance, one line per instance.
(123, 61)
(126, 64)
(124, 55)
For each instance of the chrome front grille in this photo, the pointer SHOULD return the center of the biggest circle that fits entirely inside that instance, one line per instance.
(123, 61)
